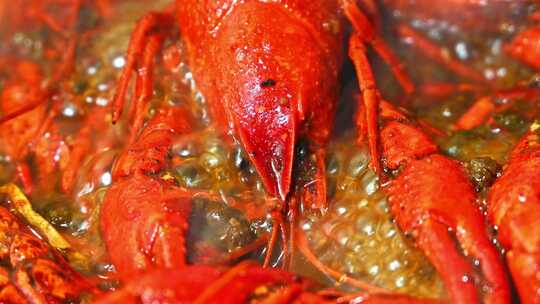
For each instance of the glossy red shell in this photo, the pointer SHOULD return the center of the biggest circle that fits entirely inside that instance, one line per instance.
(277, 77)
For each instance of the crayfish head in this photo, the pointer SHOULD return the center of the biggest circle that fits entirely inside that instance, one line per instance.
(277, 82)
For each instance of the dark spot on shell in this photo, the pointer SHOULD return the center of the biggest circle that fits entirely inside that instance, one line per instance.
(268, 83)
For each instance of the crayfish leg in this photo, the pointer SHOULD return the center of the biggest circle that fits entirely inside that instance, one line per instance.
(476, 114)
(25, 176)
(436, 243)
(81, 146)
(144, 83)
(365, 30)
(370, 100)
(137, 46)
(438, 54)
(437, 90)
(485, 106)
(365, 33)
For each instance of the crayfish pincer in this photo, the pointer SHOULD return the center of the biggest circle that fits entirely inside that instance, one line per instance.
(432, 198)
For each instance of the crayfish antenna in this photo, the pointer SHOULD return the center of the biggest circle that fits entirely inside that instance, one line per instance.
(303, 246)
(366, 298)
(22, 110)
(245, 250)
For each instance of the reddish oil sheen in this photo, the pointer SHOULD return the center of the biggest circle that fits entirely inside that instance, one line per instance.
(234, 47)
